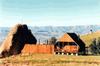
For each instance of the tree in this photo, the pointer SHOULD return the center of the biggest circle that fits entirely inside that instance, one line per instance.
(98, 45)
(95, 46)
(52, 40)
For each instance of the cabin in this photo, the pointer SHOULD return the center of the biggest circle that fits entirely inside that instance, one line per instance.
(69, 43)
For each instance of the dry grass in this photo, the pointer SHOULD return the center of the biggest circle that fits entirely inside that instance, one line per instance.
(89, 37)
(50, 60)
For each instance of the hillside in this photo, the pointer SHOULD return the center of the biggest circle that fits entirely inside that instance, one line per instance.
(89, 37)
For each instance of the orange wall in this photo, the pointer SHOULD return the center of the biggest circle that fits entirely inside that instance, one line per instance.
(71, 49)
(46, 49)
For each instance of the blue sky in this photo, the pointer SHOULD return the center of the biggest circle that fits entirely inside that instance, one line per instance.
(50, 12)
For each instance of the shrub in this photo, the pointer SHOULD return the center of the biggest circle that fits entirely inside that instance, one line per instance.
(95, 46)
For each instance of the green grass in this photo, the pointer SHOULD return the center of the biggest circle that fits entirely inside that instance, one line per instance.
(89, 37)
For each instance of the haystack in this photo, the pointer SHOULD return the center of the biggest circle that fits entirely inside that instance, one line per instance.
(18, 36)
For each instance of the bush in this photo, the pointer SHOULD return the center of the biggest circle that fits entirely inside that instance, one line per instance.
(95, 46)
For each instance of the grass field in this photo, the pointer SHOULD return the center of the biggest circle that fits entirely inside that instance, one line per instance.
(50, 60)
(87, 39)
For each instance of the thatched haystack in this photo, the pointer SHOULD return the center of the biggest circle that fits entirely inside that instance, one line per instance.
(18, 36)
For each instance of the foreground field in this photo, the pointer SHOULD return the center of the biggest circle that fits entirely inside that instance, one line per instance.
(50, 60)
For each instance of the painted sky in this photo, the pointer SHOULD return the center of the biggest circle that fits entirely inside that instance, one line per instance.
(50, 12)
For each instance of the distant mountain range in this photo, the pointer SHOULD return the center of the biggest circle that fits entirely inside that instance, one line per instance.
(46, 32)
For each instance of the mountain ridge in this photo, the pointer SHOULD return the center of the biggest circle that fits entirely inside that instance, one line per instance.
(44, 33)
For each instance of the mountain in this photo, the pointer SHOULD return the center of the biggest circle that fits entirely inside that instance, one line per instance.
(46, 32)
(3, 33)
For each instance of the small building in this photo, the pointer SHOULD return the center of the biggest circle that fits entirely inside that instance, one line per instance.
(70, 43)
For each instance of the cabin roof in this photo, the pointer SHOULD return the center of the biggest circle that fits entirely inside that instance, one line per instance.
(65, 38)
